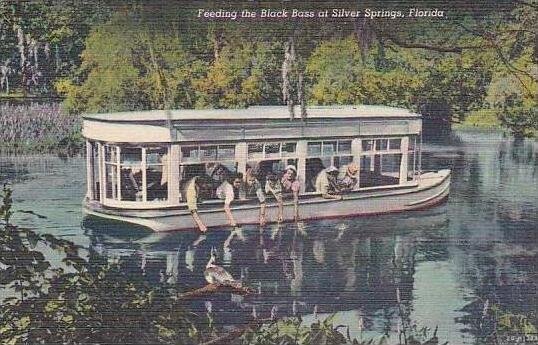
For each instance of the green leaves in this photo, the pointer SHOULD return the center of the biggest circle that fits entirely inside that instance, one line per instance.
(7, 202)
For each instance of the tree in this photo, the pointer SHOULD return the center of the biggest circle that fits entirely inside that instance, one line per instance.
(243, 74)
(131, 64)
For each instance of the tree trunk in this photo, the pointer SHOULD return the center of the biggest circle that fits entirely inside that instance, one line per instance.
(301, 96)
(287, 68)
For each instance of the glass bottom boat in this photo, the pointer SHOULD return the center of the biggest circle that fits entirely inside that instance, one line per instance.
(139, 164)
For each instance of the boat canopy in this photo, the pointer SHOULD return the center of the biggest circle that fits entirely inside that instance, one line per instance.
(249, 124)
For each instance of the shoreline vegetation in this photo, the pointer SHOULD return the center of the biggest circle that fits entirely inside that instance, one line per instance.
(39, 128)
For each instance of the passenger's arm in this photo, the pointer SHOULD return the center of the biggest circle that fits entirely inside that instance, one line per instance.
(296, 205)
(227, 202)
(280, 208)
(261, 199)
(198, 221)
(263, 219)
(229, 214)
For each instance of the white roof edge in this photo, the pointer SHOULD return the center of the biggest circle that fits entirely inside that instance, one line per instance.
(254, 112)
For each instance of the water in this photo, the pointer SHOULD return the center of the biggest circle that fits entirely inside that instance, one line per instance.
(431, 268)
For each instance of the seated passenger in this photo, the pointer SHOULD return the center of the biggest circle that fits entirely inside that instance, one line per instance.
(192, 195)
(226, 191)
(326, 183)
(274, 187)
(348, 182)
(291, 184)
(217, 174)
(252, 188)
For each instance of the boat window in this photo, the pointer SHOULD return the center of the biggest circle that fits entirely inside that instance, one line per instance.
(93, 169)
(380, 169)
(313, 166)
(189, 154)
(156, 174)
(390, 164)
(314, 149)
(271, 157)
(367, 145)
(272, 150)
(366, 164)
(131, 155)
(324, 154)
(395, 144)
(411, 166)
(340, 161)
(288, 149)
(111, 172)
(110, 154)
(131, 173)
(208, 153)
(255, 151)
(260, 169)
(215, 162)
(226, 152)
(215, 173)
(344, 147)
(329, 148)
(381, 144)
(412, 143)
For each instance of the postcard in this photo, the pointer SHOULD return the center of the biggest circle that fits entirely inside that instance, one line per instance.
(268, 172)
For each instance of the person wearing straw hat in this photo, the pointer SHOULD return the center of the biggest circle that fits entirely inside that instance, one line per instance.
(326, 183)
(290, 183)
(348, 182)
(274, 187)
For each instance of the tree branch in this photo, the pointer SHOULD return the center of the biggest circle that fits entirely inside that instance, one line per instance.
(214, 288)
(441, 49)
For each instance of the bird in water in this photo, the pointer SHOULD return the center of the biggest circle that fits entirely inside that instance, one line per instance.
(215, 274)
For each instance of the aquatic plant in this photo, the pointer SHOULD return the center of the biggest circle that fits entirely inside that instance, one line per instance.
(38, 128)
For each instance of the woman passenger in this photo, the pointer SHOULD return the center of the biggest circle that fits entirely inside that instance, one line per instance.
(274, 187)
(290, 184)
(226, 191)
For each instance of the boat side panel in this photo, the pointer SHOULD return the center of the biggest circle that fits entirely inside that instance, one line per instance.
(316, 209)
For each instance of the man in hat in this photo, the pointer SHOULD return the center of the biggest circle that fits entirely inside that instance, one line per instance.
(348, 182)
(326, 183)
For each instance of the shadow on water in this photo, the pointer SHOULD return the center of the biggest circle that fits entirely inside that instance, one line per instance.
(328, 266)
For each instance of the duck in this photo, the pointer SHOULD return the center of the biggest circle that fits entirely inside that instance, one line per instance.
(215, 274)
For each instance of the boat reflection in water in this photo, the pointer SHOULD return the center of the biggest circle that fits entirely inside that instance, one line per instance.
(359, 268)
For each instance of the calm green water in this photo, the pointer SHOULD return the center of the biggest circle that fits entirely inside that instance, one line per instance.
(430, 268)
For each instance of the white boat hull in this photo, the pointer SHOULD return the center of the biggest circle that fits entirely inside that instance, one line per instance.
(432, 189)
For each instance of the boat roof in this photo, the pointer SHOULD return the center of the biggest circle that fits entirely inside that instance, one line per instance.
(255, 113)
